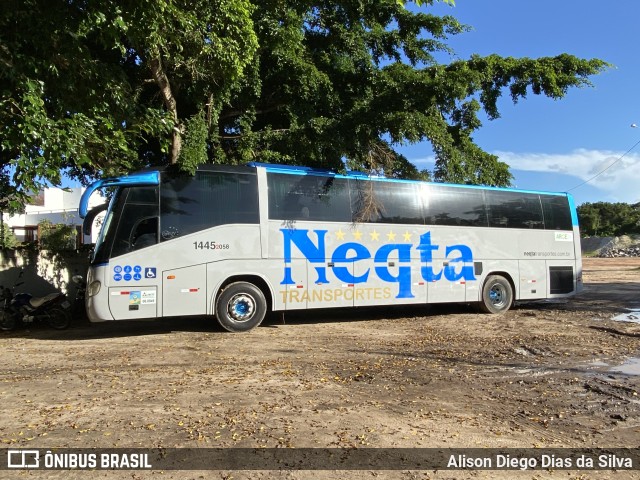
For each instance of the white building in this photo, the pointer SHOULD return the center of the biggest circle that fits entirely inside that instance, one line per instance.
(53, 204)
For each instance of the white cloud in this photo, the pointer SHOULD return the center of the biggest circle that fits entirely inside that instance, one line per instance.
(617, 175)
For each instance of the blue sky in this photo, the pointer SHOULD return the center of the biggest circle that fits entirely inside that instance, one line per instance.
(550, 144)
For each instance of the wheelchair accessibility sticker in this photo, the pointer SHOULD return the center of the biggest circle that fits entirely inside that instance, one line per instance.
(128, 273)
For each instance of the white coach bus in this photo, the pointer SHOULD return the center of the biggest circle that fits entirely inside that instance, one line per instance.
(235, 242)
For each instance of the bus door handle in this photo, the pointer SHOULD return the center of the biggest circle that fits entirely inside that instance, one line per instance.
(330, 264)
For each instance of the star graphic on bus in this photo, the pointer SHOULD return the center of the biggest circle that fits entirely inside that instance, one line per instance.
(340, 235)
(406, 236)
(391, 236)
(357, 235)
(375, 236)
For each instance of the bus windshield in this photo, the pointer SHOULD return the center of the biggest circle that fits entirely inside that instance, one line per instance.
(106, 223)
(131, 223)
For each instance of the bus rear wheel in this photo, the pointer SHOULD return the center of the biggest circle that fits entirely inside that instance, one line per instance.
(240, 307)
(497, 295)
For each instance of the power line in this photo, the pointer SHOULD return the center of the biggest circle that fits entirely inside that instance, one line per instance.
(611, 165)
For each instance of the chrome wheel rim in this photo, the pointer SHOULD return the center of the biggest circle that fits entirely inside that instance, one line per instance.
(241, 307)
(498, 295)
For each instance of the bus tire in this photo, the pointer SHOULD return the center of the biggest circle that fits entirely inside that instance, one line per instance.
(497, 295)
(240, 307)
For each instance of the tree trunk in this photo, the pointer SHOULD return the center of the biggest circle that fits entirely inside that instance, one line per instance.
(161, 79)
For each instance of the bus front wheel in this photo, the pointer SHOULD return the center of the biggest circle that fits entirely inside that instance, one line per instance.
(497, 295)
(240, 307)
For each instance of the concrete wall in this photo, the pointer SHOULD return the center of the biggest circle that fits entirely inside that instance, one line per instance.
(43, 272)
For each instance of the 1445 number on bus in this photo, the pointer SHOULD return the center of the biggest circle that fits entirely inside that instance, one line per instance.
(210, 246)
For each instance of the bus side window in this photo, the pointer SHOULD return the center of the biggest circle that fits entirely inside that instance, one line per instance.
(144, 233)
(193, 204)
(386, 202)
(313, 198)
(514, 209)
(454, 206)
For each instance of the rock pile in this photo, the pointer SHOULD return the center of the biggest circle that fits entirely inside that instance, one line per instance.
(612, 252)
(611, 247)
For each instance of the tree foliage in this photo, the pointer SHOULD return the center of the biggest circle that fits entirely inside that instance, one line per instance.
(8, 239)
(606, 219)
(56, 237)
(101, 88)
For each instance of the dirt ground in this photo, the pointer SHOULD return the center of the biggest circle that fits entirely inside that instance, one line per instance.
(546, 374)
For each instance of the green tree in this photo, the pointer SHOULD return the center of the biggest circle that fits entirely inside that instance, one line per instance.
(606, 219)
(345, 79)
(56, 237)
(7, 238)
(101, 88)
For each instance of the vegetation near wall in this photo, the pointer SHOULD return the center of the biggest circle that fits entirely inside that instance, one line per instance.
(56, 237)
(7, 238)
(603, 219)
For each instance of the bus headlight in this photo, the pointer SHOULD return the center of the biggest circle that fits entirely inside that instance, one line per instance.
(93, 288)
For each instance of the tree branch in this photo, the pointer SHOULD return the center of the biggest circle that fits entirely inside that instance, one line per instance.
(161, 79)
(260, 111)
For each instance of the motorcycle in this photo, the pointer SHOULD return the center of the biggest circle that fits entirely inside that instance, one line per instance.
(7, 320)
(25, 308)
(79, 310)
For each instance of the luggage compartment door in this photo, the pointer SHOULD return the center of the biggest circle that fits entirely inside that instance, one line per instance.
(184, 291)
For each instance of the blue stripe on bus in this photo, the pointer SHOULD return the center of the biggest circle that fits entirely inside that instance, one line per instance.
(299, 170)
(134, 179)
(572, 207)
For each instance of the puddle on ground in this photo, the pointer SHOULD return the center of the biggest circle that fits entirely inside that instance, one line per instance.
(632, 316)
(630, 367)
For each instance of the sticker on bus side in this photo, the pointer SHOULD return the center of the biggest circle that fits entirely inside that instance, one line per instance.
(134, 298)
(564, 236)
(147, 297)
(127, 273)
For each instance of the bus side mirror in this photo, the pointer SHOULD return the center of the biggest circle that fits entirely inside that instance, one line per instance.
(90, 217)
